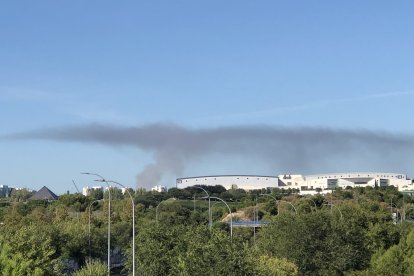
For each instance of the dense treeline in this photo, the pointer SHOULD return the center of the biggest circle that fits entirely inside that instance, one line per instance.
(361, 231)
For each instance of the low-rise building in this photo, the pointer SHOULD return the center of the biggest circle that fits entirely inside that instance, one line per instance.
(87, 191)
(306, 184)
(159, 188)
(246, 182)
(325, 183)
(5, 191)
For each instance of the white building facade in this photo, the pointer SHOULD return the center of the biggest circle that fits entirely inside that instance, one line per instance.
(159, 188)
(246, 182)
(306, 184)
(324, 183)
(86, 191)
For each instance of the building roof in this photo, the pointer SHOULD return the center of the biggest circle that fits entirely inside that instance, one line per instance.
(226, 175)
(44, 194)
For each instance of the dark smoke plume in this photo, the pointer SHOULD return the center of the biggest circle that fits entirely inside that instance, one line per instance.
(279, 149)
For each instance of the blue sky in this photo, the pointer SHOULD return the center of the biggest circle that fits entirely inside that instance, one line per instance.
(197, 64)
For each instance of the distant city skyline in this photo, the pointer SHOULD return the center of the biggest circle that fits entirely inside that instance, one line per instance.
(184, 69)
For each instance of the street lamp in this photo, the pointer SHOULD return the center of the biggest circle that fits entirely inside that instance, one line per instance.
(89, 225)
(109, 217)
(231, 216)
(209, 207)
(133, 222)
(293, 206)
(156, 209)
(333, 205)
(392, 205)
(313, 201)
(280, 200)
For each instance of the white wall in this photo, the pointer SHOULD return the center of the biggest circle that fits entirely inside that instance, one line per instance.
(306, 184)
(247, 182)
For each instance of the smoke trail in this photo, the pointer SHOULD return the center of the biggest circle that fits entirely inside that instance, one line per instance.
(303, 150)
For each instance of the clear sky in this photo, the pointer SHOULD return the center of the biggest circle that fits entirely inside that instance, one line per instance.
(344, 65)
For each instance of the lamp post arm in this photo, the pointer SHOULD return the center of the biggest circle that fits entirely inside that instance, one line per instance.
(109, 217)
(294, 208)
(156, 208)
(277, 204)
(89, 225)
(333, 205)
(210, 223)
(133, 223)
(231, 217)
(314, 203)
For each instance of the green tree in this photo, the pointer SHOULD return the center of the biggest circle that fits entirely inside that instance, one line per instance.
(318, 243)
(92, 268)
(37, 246)
(14, 264)
(270, 266)
(189, 250)
(396, 260)
(20, 195)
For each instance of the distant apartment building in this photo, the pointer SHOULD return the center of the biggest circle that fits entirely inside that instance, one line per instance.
(5, 191)
(306, 184)
(159, 188)
(87, 191)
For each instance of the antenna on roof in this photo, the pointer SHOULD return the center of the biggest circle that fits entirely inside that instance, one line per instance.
(73, 181)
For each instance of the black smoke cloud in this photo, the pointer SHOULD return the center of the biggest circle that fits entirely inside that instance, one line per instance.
(277, 149)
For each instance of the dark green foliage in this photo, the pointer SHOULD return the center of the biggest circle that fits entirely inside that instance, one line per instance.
(323, 243)
(189, 250)
(96, 194)
(76, 202)
(357, 236)
(93, 267)
(20, 195)
(233, 195)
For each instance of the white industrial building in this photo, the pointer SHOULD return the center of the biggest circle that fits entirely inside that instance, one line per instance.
(246, 182)
(306, 184)
(323, 183)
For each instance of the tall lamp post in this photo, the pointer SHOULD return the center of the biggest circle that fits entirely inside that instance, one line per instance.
(133, 222)
(231, 216)
(209, 207)
(392, 205)
(89, 225)
(109, 217)
(314, 203)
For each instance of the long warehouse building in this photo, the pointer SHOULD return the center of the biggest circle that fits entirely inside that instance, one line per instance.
(306, 184)
(246, 182)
